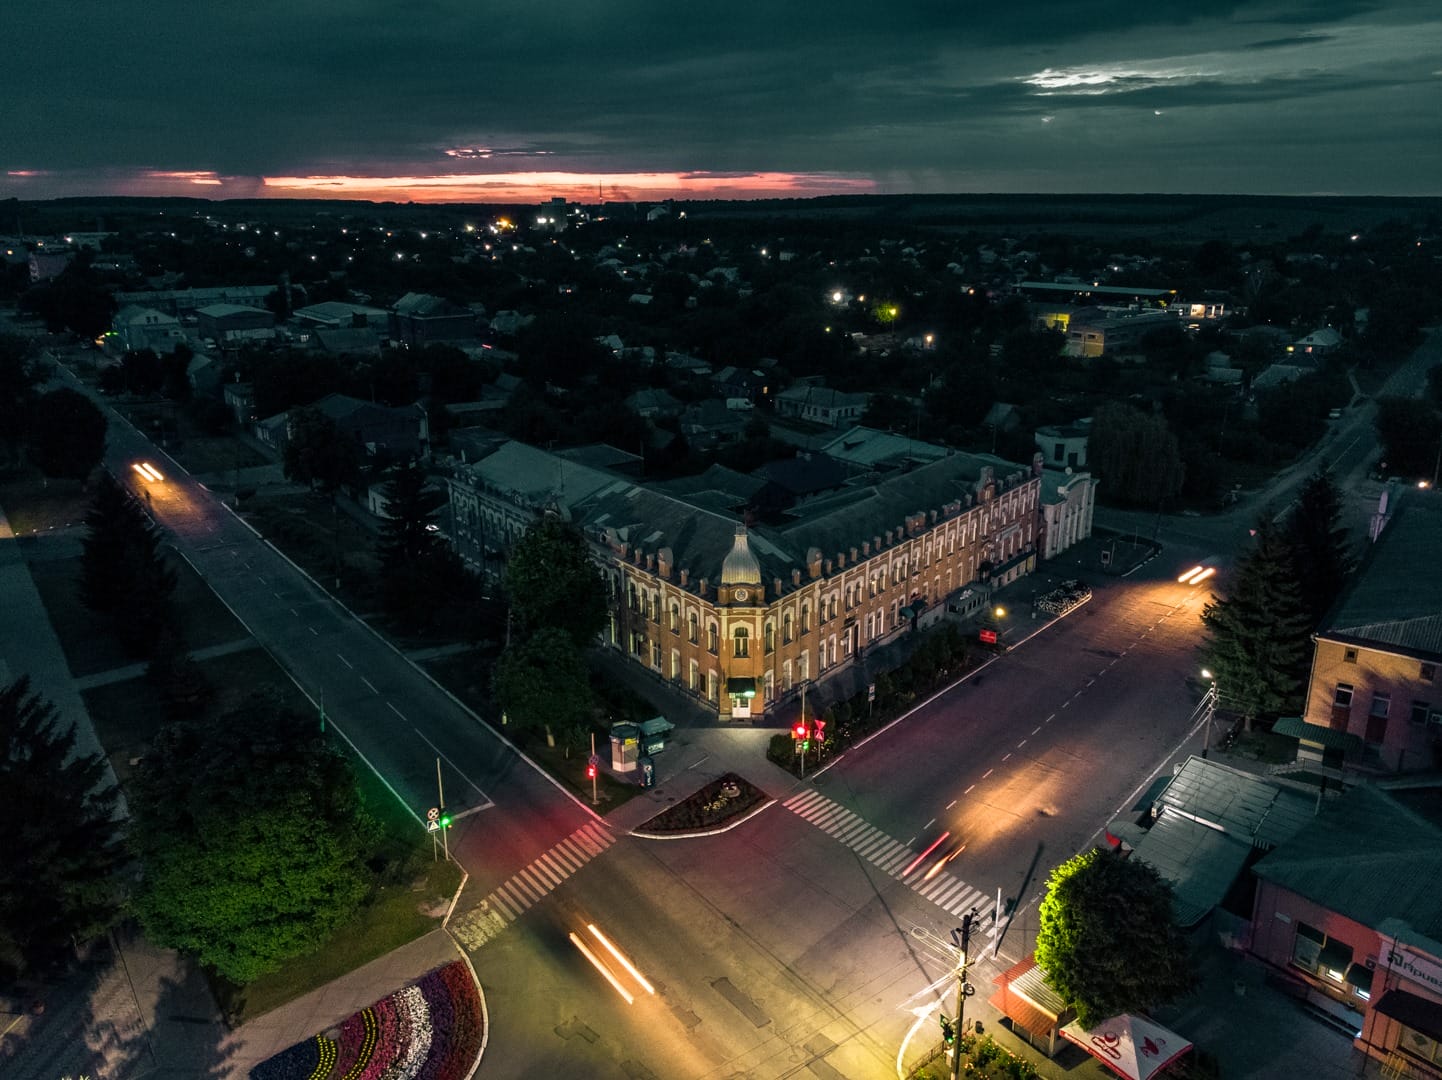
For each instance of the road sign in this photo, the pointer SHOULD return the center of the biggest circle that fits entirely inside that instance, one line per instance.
(988, 637)
(433, 826)
(433, 814)
(871, 692)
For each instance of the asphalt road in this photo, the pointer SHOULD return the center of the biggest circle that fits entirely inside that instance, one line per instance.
(506, 812)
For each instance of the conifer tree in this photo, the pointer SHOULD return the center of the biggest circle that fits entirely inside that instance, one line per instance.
(1319, 544)
(1258, 635)
(123, 573)
(60, 879)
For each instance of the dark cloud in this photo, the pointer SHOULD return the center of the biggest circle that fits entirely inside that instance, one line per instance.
(929, 93)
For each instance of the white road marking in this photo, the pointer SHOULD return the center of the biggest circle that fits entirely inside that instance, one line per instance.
(1007, 756)
(987, 773)
(1050, 718)
(951, 804)
(1036, 729)
(1021, 744)
(368, 683)
(929, 824)
(346, 662)
(397, 712)
(313, 630)
(295, 613)
(966, 792)
(484, 797)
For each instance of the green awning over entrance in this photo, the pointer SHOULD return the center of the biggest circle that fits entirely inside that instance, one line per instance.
(1328, 738)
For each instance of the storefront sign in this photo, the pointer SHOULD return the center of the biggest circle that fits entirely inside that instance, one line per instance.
(1419, 967)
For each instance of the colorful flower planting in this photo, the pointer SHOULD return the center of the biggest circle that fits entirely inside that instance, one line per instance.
(427, 1031)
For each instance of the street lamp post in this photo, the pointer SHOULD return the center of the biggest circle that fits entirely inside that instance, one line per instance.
(1211, 711)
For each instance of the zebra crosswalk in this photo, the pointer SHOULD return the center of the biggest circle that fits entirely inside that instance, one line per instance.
(890, 856)
(529, 886)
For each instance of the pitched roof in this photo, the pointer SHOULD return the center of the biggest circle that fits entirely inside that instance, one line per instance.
(1368, 857)
(1395, 596)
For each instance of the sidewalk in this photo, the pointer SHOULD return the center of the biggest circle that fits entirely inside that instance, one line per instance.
(133, 1010)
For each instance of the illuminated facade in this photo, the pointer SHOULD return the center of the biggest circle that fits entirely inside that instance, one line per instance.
(740, 617)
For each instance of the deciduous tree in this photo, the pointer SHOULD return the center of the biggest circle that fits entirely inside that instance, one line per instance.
(551, 581)
(542, 682)
(60, 879)
(1135, 454)
(1108, 939)
(253, 837)
(66, 436)
(317, 453)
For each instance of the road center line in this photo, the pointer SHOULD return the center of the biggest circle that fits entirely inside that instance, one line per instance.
(966, 792)
(953, 802)
(1050, 718)
(295, 613)
(397, 712)
(368, 683)
(1035, 730)
(313, 630)
(1003, 759)
(929, 824)
(987, 773)
(346, 662)
(1021, 744)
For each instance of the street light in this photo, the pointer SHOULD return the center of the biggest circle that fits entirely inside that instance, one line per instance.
(1211, 711)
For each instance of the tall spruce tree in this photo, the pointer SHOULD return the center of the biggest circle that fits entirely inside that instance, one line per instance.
(1319, 544)
(122, 571)
(1258, 635)
(407, 532)
(60, 879)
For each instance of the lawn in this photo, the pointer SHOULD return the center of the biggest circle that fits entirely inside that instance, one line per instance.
(468, 675)
(320, 539)
(89, 640)
(36, 505)
(128, 714)
(203, 454)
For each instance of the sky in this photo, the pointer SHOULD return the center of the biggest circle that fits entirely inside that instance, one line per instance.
(519, 101)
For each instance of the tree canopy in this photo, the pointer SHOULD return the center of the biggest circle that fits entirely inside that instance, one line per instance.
(60, 879)
(20, 376)
(1135, 454)
(542, 682)
(1108, 939)
(317, 453)
(551, 581)
(66, 436)
(407, 533)
(253, 837)
(1258, 635)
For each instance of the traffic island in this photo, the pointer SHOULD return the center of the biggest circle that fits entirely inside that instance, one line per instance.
(722, 804)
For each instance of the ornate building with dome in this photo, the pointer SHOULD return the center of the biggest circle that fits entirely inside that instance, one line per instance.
(742, 615)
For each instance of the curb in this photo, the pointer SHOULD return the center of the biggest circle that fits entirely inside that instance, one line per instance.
(485, 1012)
(697, 833)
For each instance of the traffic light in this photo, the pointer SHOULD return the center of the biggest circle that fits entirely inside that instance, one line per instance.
(590, 770)
(798, 731)
(445, 821)
(948, 1030)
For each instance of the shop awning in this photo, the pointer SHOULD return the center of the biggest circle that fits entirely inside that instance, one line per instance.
(1130, 1046)
(1325, 737)
(1412, 1011)
(741, 687)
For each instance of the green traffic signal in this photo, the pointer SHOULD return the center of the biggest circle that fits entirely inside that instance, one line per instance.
(948, 1030)
(446, 822)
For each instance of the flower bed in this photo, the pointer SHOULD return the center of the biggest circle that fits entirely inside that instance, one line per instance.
(430, 1030)
(718, 802)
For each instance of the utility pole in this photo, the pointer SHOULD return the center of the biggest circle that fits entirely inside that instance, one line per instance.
(445, 818)
(1211, 712)
(964, 989)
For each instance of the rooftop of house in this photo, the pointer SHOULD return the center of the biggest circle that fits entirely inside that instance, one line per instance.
(1368, 857)
(867, 446)
(1394, 599)
(219, 311)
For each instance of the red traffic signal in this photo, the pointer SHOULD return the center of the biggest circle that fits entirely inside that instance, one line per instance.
(799, 730)
(591, 771)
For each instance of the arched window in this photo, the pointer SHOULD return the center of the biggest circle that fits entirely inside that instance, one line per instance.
(675, 618)
(806, 618)
(786, 628)
(712, 637)
(691, 627)
(741, 640)
(770, 637)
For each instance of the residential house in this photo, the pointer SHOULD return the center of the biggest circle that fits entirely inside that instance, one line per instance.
(379, 429)
(709, 423)
(337, 315)
(746, 383)
(204, 375)
(231, 324)
(1374, 699)
(182, 303)
(821, 405)
(145, 328)
(1064, 446)
(419, 319)
(1349, 910)
(1317, 344)
(239, 398)
(651, 403)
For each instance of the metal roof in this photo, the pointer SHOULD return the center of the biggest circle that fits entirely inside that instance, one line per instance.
(1330, 738)
(1199, 861)
(1241, 804)
(1368, 857)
